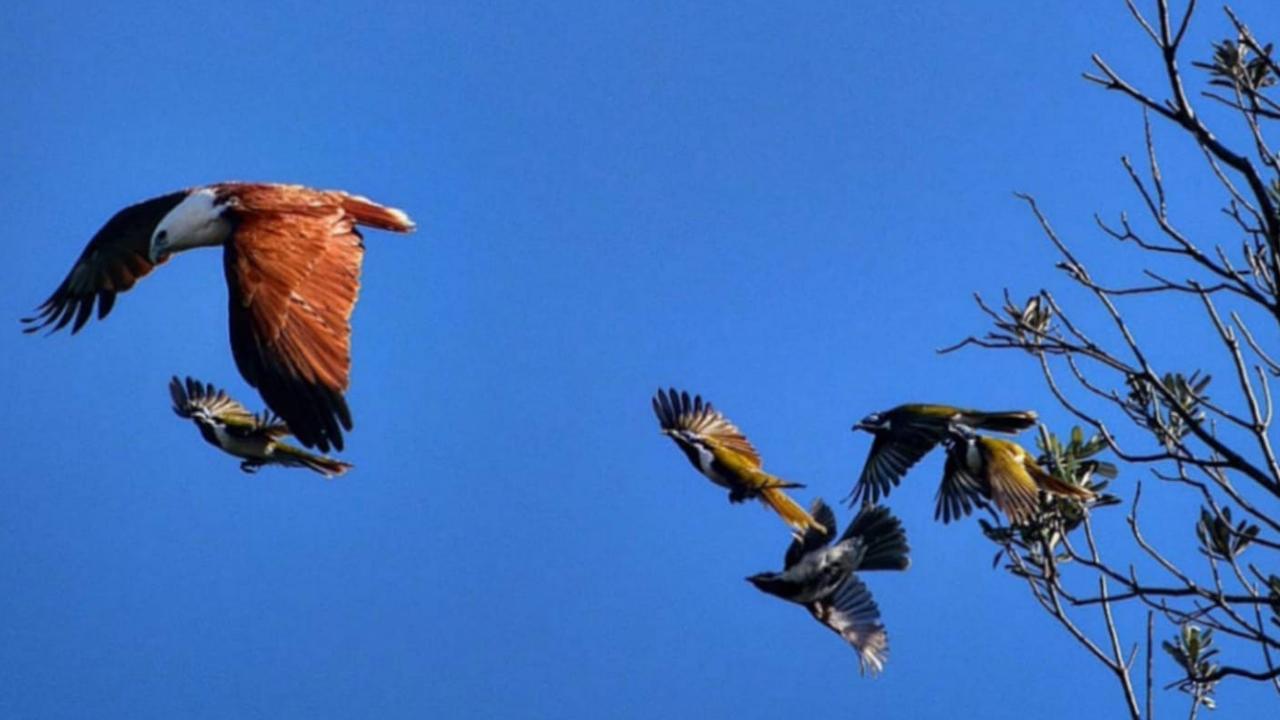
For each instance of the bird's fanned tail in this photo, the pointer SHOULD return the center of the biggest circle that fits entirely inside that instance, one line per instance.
(883, 540)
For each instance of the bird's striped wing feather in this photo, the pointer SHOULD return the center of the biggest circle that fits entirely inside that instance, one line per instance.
(113, 261)
(959, 492)
(891, 456)
(192, 396)
(1012, 488)
(852, 613)
(293, 267)
(293, 271)
(677, 411)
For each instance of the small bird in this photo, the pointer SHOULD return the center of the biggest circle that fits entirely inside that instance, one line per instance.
(718, 449)
(907, 433)
(980, 468)
(291, 255)
(820, 576)
(227, 425)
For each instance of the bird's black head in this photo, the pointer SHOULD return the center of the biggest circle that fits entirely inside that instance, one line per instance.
(873, 423)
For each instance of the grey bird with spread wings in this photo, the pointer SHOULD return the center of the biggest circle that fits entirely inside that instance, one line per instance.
(820, 576)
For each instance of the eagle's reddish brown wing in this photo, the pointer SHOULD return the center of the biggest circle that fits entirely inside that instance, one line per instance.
(111, 263)
(293, 272)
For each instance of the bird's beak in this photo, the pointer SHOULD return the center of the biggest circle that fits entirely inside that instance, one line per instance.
(860, 425)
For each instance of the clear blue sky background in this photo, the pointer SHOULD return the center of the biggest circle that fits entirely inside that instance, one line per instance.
(785, 209)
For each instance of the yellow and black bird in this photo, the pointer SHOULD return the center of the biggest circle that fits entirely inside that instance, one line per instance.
(907, 433)
(820, 576)
(255, 439)
(718, 449)
(982, 468)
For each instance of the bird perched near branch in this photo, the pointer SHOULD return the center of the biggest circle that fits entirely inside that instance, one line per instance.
(907, 433)
(292, 258)
(718, 449)
(228, 426)
(820, 576)
(980, 467)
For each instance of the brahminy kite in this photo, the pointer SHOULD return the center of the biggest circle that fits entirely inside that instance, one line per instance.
(292, 257)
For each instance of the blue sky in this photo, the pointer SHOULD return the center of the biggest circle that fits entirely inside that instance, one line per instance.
(785, 209)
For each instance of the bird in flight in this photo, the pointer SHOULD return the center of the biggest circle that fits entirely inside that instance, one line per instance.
(820, 576)
(256, 439)
(982, 468)
(718, 449)
(905, 434)
(291, 257)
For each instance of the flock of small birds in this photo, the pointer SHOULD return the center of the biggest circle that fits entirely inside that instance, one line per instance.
(292, 259)
(979, 471)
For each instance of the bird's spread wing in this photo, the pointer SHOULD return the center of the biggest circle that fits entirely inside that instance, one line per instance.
(959, 491)
(1012, 488)
(111, 263)
(194, 395)
(802, 543)
(891, 456)
(293, 271)
(676, 411)
(853, 615)
(271, 424)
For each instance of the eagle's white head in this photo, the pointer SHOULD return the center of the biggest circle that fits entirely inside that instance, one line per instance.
(197, 221)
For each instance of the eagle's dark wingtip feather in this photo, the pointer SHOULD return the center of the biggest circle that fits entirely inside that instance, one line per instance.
(65, 312)
(40, 316)
(343, 410)
(106, 301)
(83, 314)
